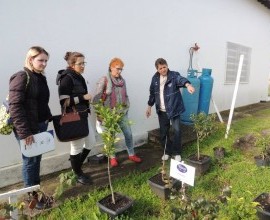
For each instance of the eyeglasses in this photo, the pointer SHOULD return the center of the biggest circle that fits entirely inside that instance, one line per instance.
(119, 69)
(81, 64)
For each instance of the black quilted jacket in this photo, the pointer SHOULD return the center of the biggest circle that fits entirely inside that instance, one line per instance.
(24, 103)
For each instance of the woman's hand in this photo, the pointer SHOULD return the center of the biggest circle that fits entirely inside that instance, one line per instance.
(29, 140)
(87, 97)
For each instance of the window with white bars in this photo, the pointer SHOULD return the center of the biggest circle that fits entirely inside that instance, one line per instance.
(233, 54)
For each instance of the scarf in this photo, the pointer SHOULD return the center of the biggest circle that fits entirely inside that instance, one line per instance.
(116, 84)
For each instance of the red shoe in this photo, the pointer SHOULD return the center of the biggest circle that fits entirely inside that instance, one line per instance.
(113, 162)
(135, 158)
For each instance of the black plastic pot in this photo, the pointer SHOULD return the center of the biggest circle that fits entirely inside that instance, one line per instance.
(201, 166)
(158, 186)
(122, 203)
(263, 212)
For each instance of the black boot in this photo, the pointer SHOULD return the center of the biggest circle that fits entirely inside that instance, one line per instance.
(84, 154)
(75, 161)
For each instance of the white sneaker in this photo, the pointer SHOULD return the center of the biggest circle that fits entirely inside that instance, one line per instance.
(165, 157)
(177, 157)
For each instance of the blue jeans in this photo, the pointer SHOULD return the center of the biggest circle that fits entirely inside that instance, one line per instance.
(31, 165)
(174, 145)
(126, 129)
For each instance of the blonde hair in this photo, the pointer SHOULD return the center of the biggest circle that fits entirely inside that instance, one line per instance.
(32, 53)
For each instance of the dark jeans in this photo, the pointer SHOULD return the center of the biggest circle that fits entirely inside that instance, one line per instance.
(173, 145)
(31, 165)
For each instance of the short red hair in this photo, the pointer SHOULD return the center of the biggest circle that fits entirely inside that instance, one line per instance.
(116, 61)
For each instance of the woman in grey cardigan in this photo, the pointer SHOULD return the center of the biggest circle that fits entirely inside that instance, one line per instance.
(112, 90)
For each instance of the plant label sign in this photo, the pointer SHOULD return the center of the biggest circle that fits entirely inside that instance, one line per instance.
(44, 142)
(182, 172)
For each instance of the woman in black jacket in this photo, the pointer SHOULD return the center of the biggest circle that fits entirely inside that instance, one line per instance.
(29, 107)
(73, 93)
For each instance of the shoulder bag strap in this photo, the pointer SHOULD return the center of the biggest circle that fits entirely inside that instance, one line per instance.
(104, 94)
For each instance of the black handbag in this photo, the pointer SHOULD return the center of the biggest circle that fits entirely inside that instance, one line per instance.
(70, 126)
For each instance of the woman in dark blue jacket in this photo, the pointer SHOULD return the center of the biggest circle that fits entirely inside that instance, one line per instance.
(165, 93)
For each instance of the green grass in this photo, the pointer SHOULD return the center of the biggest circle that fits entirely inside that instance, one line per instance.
(237, 169)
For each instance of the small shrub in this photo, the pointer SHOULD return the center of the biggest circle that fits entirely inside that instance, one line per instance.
(110, 120)
(66, 180)
(204, 125)
(263, 142)
(237, 208)
(6, 208)
(200, 209)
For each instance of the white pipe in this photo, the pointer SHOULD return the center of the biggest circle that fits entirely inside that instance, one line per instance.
(235, 94)
(19, 191)
(217, 111)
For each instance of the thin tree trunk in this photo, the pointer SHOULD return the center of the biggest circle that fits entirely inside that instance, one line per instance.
(110, 181)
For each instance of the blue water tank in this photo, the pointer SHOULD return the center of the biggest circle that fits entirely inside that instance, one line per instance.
(206, 81)
(191, 101)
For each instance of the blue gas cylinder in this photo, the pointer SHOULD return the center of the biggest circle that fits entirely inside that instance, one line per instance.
(206, 81)
(191, 101)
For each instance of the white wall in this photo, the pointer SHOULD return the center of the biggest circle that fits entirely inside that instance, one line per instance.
(138, 32)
